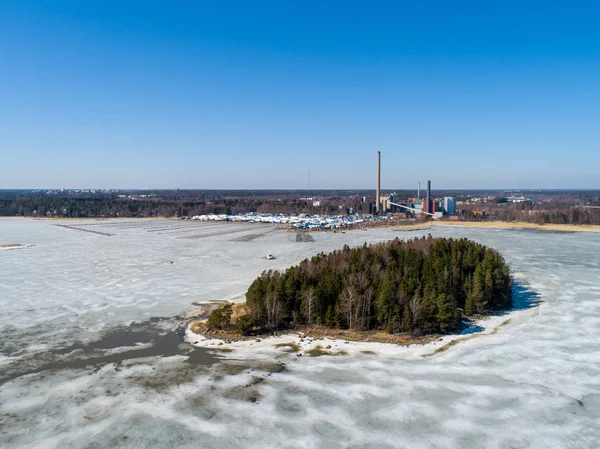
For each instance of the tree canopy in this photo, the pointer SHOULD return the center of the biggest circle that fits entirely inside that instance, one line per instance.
(419, 286)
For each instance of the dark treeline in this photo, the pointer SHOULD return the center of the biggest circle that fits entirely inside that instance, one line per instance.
(85, 207)
(543, 214)
(164, 204)
(418, 286)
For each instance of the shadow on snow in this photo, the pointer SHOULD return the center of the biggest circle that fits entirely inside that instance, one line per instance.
(523, 298)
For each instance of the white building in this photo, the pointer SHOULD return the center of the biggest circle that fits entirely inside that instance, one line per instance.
(449, 205)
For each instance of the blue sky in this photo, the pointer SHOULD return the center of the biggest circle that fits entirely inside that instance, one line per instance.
(196, 94)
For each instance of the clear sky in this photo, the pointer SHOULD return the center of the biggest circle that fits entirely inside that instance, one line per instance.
(254, 94)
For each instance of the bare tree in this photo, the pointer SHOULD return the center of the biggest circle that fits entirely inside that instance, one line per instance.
(349, 303)
(310, 298)
(270, 302)
(363, 311)
(275, 310)
(254, 310)
(413, 305)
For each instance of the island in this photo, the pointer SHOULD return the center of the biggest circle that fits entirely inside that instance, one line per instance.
(424, 286)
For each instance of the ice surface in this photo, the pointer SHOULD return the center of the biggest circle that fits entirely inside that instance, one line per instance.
(534, 382)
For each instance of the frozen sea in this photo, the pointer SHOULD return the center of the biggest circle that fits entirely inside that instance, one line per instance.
(81, 365)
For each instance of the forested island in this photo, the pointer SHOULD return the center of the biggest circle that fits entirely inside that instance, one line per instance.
(420, 286)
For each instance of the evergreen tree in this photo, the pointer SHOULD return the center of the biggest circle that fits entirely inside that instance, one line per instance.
(447, 313)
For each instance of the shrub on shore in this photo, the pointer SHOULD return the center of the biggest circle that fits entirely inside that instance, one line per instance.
(245, 324)
(220, 318)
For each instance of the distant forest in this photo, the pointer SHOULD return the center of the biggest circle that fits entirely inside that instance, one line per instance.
(159, 204)
(541, 214)
(419, 286)
(557, 207)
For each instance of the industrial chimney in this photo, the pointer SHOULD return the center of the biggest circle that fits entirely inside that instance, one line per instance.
(378, 188)
(429, 208)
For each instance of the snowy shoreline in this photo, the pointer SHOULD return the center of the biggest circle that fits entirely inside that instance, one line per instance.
(299, 344)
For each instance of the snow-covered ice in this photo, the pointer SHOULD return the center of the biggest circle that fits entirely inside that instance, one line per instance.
(532, 382)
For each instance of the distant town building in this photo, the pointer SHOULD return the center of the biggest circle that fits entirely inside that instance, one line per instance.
(517, 199)
(449, 205)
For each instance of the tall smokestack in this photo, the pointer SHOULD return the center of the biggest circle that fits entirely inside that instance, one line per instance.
(378, 188)
(419, 191)
(429, 208)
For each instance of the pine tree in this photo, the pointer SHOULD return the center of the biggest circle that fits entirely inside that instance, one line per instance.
(407, 323)
(469, 305)
(478, 291)
(447, 313)
(330, 317)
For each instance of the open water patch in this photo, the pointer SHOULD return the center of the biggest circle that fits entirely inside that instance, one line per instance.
(137, 341)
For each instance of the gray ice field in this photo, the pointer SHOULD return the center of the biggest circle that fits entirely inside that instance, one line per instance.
(85, 362)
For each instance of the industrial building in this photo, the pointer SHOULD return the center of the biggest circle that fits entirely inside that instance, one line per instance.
(449, 205)
(386, 203)
(428, 206)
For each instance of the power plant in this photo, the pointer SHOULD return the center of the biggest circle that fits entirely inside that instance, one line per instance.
(427, 206)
